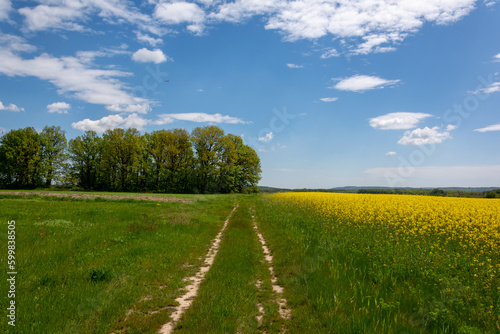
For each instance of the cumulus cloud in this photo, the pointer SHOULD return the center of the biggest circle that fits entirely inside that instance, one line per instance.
(181, 12)
(390, 154)
(426, 136)
(380, 25)
(5, 8)
(494, 127)
(398, 120)
(72, 14)
(388, 20)
(10, 107)
(497, 58)
(111, 122)
(198, 118)
(58, 108)
(294, 66)
(329, 99)
(361, 83)
(147, 56)
(268, 137)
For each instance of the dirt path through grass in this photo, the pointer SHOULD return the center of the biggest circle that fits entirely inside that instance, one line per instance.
(191, 290)
(240, 293)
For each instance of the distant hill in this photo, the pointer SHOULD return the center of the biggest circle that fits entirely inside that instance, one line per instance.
(445, 191)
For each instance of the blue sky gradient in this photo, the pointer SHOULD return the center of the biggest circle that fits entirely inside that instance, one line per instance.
(330, 93)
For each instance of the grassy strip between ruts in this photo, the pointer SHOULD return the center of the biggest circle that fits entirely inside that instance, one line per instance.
(97, 266)
(227, 300)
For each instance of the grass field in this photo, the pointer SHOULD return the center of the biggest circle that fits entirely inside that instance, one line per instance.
(94, 266)
(347, 263)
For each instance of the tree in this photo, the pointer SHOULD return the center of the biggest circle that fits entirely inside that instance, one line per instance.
(228, 170)
(54, 145)
(120, 157)
(20, 156)
(179, 161)
(207, 146)
(85, 156)
(249, 169)
(157, 145)
(174, 160)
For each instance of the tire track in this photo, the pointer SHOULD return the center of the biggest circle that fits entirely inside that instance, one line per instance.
(186, 300)
(284, 312)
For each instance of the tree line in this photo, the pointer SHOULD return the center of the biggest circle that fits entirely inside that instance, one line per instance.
(174, 161)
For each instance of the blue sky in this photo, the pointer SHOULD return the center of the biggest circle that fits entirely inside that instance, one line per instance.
(330, 93)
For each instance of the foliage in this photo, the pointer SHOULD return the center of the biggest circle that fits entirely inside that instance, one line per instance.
(174, 161)
(29, 159)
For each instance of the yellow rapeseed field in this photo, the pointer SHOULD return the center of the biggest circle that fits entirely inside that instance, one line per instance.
(395, 261)
(433, 225)
(473, 223)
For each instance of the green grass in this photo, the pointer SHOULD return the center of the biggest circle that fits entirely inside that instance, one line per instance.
(104, 265)
(227, 300)
(336, 284)
(83, 265)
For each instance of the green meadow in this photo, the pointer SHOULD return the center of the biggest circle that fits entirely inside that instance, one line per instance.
(115, 265)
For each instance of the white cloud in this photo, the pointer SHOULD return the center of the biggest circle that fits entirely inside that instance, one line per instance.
(146, 56)
(398, 120)
(425, 136)
(43, 17)
(141, 108)
(15, 43)
(148, 39)
(329, 53)
(294, 66)
(58, 108)
(497, 58)
(379, 24)
(89, 56)
(111, 122)
(269, 136)
(179, 12)
(72, 75)
(389, 20)
(5, 8)
(373, 42)
(197, 117)
(360, 83)
(10, 107)
(329, 99)
(493, 88)
(494, 127)
(71, 14)
(390, 154)
(240, 10)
